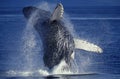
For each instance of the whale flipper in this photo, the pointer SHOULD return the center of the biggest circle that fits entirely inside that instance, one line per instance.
(84, 45)
(58, 13)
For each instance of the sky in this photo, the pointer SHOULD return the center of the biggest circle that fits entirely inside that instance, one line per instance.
(20, 3)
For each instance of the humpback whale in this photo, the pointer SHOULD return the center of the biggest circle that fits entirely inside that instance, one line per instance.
(58, 42)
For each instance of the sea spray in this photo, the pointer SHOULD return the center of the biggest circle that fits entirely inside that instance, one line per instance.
(32, 47)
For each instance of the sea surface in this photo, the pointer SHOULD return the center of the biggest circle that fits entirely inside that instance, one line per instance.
(98, 25)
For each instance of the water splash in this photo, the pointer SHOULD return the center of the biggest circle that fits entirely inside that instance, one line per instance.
(29, 45)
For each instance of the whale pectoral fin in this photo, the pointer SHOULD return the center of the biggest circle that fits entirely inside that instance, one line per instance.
(84, 45)
(58, 13)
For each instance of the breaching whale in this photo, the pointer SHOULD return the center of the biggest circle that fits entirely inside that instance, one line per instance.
(58, 42)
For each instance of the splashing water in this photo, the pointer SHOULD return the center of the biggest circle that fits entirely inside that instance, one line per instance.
(33, 54)
(30, 47)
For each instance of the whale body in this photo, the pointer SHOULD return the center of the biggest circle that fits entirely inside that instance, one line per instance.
(58, 42)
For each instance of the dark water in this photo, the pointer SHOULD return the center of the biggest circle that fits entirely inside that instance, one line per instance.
(100, 26)
(97, 76)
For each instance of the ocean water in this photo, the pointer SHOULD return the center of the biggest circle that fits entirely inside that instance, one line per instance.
(20, 46)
